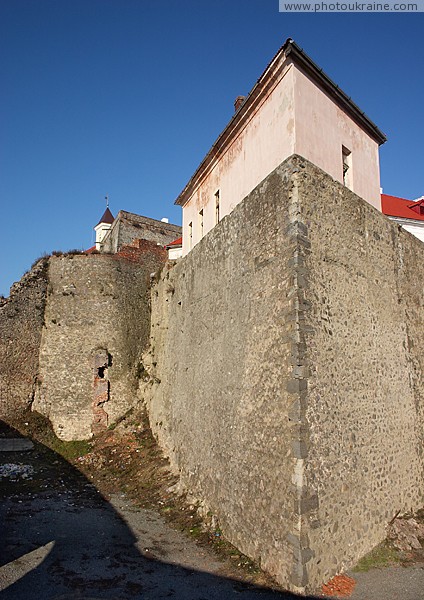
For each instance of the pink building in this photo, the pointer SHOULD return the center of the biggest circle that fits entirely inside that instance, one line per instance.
(294, 108)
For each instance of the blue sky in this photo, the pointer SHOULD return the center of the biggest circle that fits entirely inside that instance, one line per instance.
(125, 97)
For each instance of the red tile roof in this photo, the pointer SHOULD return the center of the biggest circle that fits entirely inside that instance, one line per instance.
(107, 217)
(177, 242)
(400, 207)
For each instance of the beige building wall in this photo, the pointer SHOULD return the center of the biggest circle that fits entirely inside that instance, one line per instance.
(323, 129)
(266, 139)
(286, 113)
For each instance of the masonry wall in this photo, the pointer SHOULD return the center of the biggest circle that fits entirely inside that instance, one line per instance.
(97, 322)
(411, 286)
(363, 336)
(221, 366)
(128, 226)
(286, 374)
(21, 321)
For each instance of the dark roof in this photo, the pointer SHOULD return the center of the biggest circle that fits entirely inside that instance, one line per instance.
(107, 217)
(299, 57)
(333, 90)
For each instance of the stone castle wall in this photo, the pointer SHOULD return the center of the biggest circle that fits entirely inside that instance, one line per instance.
(224, 363)
(284, 371)
(21, 322)
(71, 317)
(362, 400)
(286, 374)
(128, 227)
(410, 268)
(97, 322)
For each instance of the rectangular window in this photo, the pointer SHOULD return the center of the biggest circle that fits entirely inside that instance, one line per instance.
(201, 223)
(347, 167)
(217, 213)
(190, 236)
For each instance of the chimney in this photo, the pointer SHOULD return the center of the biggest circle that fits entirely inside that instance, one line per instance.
(238, 102)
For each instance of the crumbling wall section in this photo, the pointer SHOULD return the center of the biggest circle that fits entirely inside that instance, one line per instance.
(97, 306)
(21, 322)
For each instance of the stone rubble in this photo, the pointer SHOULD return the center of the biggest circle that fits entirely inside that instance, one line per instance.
(406, 534)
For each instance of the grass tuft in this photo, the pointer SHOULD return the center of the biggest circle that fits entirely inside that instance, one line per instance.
(380, 557)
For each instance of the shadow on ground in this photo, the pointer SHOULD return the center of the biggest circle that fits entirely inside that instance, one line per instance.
(61, 540)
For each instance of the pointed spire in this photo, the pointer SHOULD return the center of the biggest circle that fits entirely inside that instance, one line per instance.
(107, 217)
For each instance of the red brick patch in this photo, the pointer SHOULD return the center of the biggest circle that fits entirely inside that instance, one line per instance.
(138, 249)
(340, 586)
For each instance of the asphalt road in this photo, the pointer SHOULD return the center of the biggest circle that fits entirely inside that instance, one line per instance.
(61, 540)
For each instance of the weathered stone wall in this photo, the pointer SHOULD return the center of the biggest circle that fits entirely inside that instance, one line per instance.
(223, 366)
(21, 321)
(410, 271)
(97, 323)
(286, 374)
(363, 337)
(129, 226)
(284, 377)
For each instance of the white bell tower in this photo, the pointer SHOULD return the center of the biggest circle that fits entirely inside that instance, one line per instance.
(103, 225)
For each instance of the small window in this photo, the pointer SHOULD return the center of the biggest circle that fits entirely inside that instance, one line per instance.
(347, 167)
(217, 213)
(201, 223)
(190, 236)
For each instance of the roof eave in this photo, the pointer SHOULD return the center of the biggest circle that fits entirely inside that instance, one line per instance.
(410, 220)
(312, 69)
(232, 124)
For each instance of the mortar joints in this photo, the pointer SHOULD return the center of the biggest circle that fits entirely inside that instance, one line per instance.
(297, 386)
